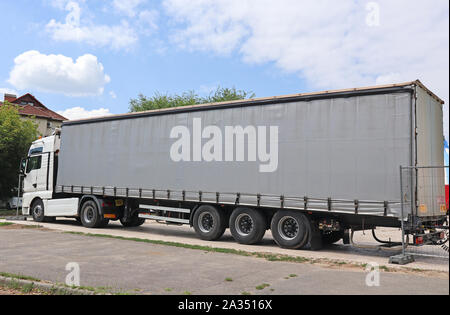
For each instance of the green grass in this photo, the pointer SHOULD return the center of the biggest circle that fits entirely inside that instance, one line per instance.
(22, 226)
(19, 277)
(174, 244)
(267, 256)
(187, 293)
(32, 226)
(228, 279)
(292, 275)
(246, 293)
(7, 213)
(262, 286)
(168, 289)
(57, 289)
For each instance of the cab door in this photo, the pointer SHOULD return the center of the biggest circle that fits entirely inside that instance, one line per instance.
(30, 182)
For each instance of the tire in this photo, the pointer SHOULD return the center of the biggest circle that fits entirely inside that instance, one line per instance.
(103, 223)
(209, 223)
(247, 226)
(90, 216)
(37, 211)
(290, 229)
(134, 222)
(332, 237)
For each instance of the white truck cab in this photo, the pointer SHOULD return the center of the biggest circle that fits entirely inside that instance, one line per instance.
(39, 171)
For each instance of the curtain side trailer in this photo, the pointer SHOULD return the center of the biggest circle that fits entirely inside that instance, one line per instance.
(308, 167)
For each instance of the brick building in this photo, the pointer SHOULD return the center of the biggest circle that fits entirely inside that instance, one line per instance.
(46, 119)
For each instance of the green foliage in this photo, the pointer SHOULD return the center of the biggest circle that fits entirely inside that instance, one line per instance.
(159, 101)
(16, 136)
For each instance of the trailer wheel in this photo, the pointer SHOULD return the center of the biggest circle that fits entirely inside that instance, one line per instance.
(247, 226)
(209, 223)
(332, 237)
(90, 216)
(37, 211)
(290, 229)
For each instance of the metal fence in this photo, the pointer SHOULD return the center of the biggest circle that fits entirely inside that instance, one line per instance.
(423, 206)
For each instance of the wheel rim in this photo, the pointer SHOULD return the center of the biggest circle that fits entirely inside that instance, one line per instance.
(244, 224)
(288, 228)
(37, 211)
(205, 222)
(88, 214)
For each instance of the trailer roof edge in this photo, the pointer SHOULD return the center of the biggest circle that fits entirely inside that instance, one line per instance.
(261, 101)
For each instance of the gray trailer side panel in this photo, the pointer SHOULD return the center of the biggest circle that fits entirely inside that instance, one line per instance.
(342, 148)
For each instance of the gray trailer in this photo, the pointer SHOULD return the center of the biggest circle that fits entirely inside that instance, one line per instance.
(309, 167)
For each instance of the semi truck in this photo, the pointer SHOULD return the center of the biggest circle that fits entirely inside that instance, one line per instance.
(308, 167)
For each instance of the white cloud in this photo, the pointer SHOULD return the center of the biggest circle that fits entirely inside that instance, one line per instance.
(59, 74)
(113, 94)
(60, 4)
(7, 91)
(120, 36)
(327, 43)
(148, 21)
(127, 7)
(81, 113)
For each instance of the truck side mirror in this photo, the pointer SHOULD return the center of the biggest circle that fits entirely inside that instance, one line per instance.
(23, 164)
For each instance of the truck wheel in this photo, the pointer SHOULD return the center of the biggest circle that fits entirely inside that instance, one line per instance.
(332, 237)
(247, 226)
(133, 222)
(103, 223)
(90, 216)
(209, 223)
(290, 229)
(37, 211)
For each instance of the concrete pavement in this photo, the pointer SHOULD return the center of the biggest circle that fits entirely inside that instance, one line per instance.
(184, 234)
(158, 269)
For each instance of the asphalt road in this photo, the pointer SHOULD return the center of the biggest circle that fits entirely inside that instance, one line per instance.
(130, 266)
(184, 234)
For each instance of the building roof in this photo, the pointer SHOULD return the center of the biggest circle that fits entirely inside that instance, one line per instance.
(31, 106)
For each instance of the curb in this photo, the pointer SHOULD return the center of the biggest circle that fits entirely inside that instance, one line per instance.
(47, 287)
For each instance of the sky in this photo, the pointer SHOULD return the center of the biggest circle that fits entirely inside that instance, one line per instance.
(87, 58)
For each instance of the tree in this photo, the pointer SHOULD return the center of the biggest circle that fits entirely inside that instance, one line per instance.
(16, 136)
(159, 101)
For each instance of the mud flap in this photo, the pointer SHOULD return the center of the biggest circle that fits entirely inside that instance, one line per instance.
(315, 239)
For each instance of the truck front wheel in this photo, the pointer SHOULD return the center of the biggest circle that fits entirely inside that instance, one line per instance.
(290, 229)
(37, 211)
(247, 226)
(209, 223)
(90, 216)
